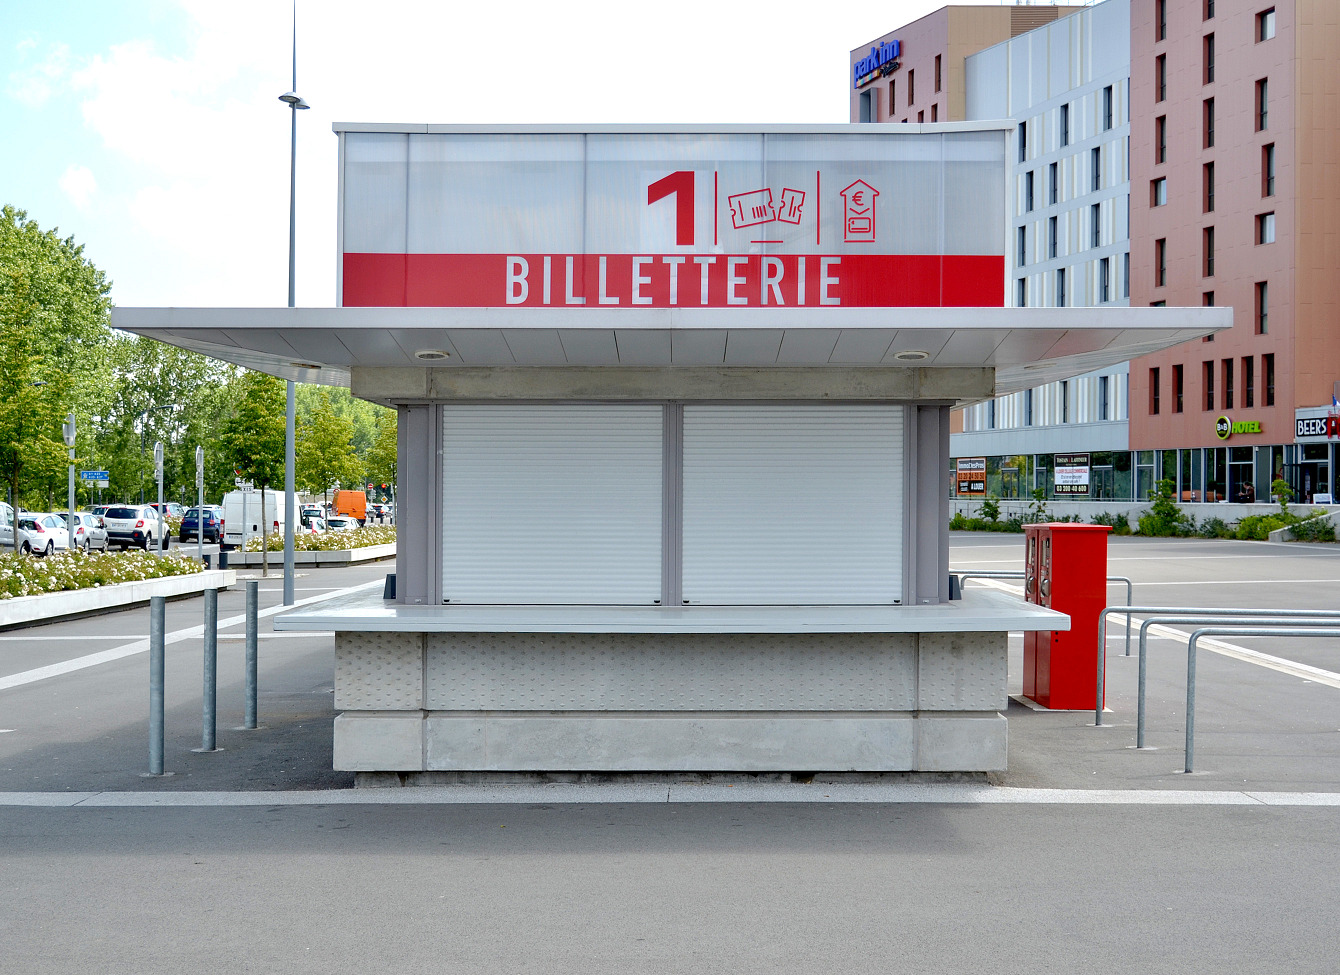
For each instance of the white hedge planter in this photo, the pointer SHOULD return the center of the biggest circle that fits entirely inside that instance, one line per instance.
(348, 556)
(53, 605)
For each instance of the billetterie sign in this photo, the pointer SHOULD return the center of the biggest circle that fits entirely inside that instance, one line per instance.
(669, 220)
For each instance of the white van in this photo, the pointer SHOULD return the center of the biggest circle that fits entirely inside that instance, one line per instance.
(236, 527)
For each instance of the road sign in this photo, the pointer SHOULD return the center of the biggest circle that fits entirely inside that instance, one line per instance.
(94, 475)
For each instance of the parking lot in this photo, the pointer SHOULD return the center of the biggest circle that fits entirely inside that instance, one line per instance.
(1086, 854)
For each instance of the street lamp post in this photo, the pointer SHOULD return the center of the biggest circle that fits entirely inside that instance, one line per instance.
(294, 102)
(144, 419)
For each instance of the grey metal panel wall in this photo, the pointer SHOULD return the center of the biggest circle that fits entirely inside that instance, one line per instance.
(420, 460)
(932, 505)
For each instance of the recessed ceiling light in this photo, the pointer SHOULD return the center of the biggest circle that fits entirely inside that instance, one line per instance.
(304, 365)
(431, 355)
(911, 355)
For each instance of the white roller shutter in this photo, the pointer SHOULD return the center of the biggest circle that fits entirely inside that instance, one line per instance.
(793, 505)
(552, 504)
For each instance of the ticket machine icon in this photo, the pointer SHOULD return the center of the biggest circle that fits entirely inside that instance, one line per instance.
(858, 212)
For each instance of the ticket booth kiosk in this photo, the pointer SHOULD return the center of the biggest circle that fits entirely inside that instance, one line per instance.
(674, 442)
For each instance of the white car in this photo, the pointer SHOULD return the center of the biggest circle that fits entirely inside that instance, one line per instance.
(88, 531)
(132, 524)
(340, 523)
(41, 533)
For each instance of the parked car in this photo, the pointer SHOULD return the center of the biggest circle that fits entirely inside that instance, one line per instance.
(99, 509)
(41, 533)
(171, 509)
(88, 531)
(213, 524)
(312, 524)
(131, 524)
(340, 522)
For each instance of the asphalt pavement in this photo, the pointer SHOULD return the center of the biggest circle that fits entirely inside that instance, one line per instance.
(1086, 854)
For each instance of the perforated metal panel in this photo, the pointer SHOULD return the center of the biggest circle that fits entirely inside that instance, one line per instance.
(684, 672)
(378, 671)
(552, 504)
(793, 504)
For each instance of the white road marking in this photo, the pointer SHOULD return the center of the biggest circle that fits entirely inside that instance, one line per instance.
(1290, 667)
(141, 646)
(934, 793)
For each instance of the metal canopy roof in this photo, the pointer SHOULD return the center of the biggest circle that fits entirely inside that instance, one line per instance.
(1025, 346)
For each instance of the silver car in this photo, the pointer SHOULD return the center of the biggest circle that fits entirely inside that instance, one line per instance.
(88, 531)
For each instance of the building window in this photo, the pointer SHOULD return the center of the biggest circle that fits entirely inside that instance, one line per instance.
(1021, 246)
(1228, 384)
(1268, 378)
(1178, 388)
(911, 87)
(1104, 280)
(1207, 368)
(1265, 25)
(1207, 241)
(1265, 228)
(1160, 262)
(1060, 287)
(1248, 382)
(1207, 119)
(1262, 308)
(1207, 187)
(1207, 299)
(1209, 10)
(1065, 125)
(1028, 407)
(1126, 274)
(1021, 293)
(1107, 108)
(1051, 237)
(1154, 391)
(921, 116)
(991, 415)
(1065, 401)
(1096, 168)
(937, 72)
(1028, 191)
(1104, 403)
(893, 90)
(1053, 178)
(1161, 78)
(1268, 170)
(1023, 141)
(1158, 191)
(935, 112)
(1095, 225)
(1161, 139)
(1207, 44)
(1160, 20)
(1262, 104)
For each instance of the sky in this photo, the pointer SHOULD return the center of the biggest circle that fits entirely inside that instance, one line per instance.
(151, 130)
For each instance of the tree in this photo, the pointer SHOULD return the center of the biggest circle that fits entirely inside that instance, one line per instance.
(54, 309)
(324, 451)
(253, 439)
(383, 457)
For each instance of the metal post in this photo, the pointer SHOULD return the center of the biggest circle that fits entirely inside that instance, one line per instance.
(253, 598)
(157, 616)
(294, 103)
(289, 501)
(69, 511)
(243, 543)
(209, 713)
(158, 473)
(200, 505)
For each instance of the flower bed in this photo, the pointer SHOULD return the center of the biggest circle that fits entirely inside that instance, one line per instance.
(333, 541)
(24, 575)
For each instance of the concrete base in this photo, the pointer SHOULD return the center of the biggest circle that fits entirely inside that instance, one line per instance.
(684, 702)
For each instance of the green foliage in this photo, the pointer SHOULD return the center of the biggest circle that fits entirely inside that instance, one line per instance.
(1164, 518)
(1281, 490)
(336, 541)
(1257, 528)
(382, 459)
(1037, 511)
(1216, 528)
(1119, 524)
(962, 523)
(1314, 529)
(324, 450)
(253, 437)
(53, 328)
(991, 508)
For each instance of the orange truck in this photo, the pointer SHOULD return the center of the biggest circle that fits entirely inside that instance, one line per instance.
(351, 504)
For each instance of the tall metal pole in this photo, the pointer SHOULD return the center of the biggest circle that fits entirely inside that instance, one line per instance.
(289, 501)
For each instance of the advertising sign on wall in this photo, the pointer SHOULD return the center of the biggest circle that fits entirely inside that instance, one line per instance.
(1071, 474)
(614, 219)
(972, 475)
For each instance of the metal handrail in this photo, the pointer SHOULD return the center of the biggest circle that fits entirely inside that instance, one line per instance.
(1020, 574)
(1227, 631)
(1208, 614)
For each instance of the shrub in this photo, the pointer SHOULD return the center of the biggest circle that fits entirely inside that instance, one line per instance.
(1119, 524)
(332, 541)
(1037, 511)
(1313, 530)
(24, 575)
(1257, 528)
(1216, 528)
(991, 508)
(1164, 518)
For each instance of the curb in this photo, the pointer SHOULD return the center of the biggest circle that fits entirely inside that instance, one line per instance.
(74, 602)
(368, 553)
